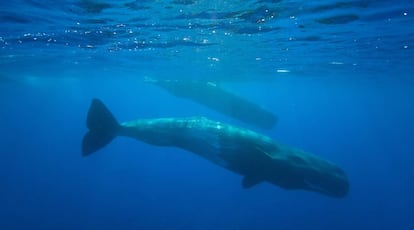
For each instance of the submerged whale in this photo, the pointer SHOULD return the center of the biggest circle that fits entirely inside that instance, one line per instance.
(256, 157)
(215, 97)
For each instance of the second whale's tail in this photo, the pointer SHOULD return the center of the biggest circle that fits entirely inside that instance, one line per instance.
(102, 125)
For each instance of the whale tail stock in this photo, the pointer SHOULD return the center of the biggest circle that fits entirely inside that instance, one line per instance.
(102, 125)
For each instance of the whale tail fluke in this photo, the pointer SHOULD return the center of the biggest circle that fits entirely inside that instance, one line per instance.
(102, 125)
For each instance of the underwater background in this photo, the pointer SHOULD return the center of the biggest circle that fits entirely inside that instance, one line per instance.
(337, 74)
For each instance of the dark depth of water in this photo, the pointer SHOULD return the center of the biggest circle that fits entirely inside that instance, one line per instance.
(336, 73)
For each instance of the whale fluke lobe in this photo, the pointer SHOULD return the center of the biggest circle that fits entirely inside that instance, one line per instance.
(102, 125)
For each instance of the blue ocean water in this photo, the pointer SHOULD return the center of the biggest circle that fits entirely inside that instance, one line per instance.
(338, 75)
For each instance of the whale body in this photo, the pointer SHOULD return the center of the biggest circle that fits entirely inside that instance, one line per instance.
(206, 93)
(256, 157)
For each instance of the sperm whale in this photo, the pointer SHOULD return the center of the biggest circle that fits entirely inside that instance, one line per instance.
(256, 157)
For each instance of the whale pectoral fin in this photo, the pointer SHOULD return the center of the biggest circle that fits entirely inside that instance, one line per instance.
(250, 181)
